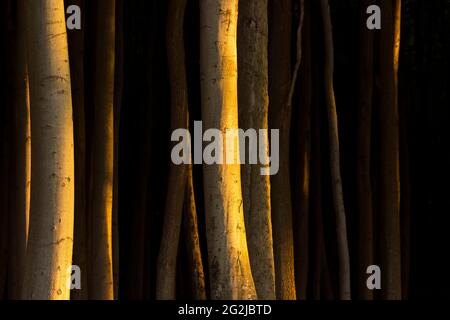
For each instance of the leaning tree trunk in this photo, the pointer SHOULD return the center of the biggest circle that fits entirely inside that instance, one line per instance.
(364, 187)
(49, 251)
(101, 284)
(336, 181)
(390, 173)
(280, 118)
(193, 241)
(167, 258)
(253, 114)
(229, 263)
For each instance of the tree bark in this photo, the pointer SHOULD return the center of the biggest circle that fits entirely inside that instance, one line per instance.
(302, 184)
(229, 263)
(20, 180)
(280, 117)
(336, 181)
(167, 258)
(101, 284)
(77, 63)
(118, 97)
(49, 251)
(253, 114)
(389, 136)
(364, 186)
(193, 240)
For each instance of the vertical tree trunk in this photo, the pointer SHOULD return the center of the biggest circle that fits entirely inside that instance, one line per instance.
(167, 259)
(389, 135)
(280, 118)
(229, 263)
(193, 240)
(118, 96)
(253, 114)
(338, 198)
(101, 284)
(49, 251)
(364, 187)
(76, 55)
(20, 180)
(301, 216)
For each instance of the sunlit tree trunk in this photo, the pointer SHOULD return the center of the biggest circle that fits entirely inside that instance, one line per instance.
(229, 263)
(389, 140)
(336, 181)
(101, 278)
(364, 189)
(167, 259)
(253, 114)
(77, 63)
(279, 118)
(49, 251)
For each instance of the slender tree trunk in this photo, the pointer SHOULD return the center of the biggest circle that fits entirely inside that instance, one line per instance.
(76, 55)
(101, 284)
(20, 180)
(167, 259)
(303, 153)
(364, 186)
(229, 263)
(49, 251)
(193, 240)
(118, 96)
(280, 117)
(253, 114)
(390, 176)
(338, 198)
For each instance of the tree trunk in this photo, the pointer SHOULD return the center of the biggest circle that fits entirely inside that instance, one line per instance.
(301, 216)
(229, 263)
(101, 284)
(20, 180)
(253, 114)
(280, 117)
(364, 187)
(167, 259)
(336, 182)
(118, 97)
(49, 251)
(193, 240)
(389, 136)
(76, 56)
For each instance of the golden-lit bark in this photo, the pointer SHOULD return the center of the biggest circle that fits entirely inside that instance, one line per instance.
(101, 284)
(193, 240)
(253, 114)
(229, 263)
(336, 181)
(77, 62)
(363, 162)
(389, 141)
(49, 251)
(279, 118)
(167, 258)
